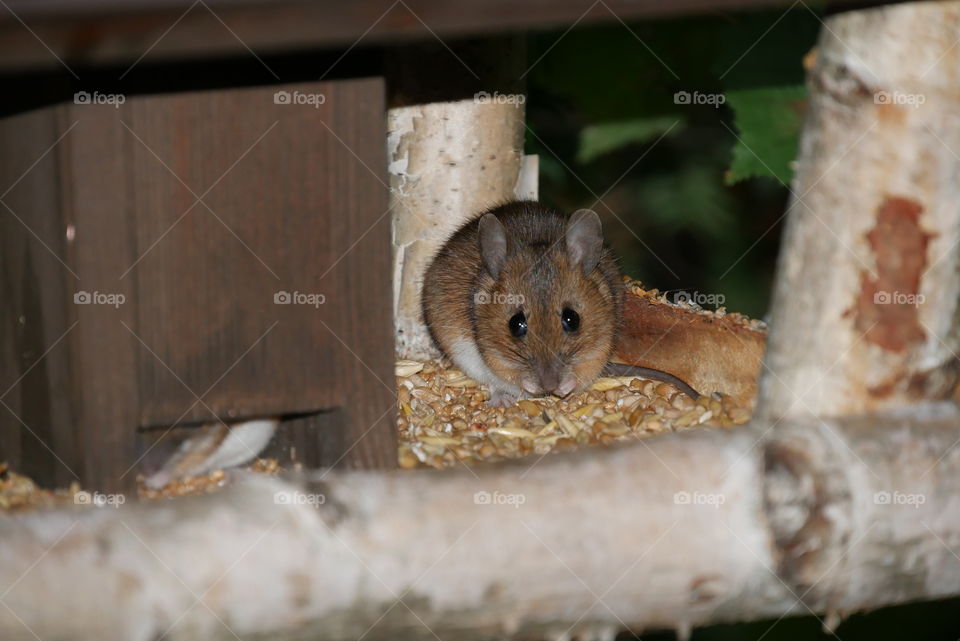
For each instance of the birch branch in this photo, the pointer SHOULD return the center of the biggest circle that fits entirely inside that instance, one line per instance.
(865, 312)
(827, 516)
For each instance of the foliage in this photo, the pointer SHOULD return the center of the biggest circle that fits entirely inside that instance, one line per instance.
(681, 131)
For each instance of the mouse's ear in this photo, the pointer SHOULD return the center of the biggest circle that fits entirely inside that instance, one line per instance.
(584, 239)
(493, 244)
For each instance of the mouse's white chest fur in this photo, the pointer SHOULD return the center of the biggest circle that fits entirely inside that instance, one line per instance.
(465, 354)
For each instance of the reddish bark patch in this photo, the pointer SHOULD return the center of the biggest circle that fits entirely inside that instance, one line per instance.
(886, 307)
(884, 390)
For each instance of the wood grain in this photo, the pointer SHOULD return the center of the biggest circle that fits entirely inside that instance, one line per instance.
(197, 209)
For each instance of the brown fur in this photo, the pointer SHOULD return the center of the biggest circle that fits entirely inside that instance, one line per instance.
(462, 300)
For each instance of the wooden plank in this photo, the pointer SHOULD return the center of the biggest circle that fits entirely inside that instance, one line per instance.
(97, 32)
(293, 205)
(365, 332)
(185, 297)
(37, 435)
(103, 373)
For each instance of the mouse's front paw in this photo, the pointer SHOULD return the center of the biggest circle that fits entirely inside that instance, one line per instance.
(502, 398)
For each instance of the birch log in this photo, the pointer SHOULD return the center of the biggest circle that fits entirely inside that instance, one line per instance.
(448, 162)
(865, 309)
(828, 516)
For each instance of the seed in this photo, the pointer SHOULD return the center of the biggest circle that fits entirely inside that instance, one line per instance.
(512, 432)
(604, 384)
(549, 428)
(686, 420)
(423, 394)
(456, 379)
(531, 408)
(443, 419)
(439, 440)
(663, 389)
(617, 430)
(407, 368)
(584, 410)
(653, 425)
(567, 425)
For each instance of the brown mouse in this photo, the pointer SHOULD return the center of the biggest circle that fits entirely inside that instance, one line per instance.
(526, 301)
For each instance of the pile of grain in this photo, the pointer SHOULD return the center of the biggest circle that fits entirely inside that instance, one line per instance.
(443, 417)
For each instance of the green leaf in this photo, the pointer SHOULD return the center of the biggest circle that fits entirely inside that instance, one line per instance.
(597, 140)
(769, 121)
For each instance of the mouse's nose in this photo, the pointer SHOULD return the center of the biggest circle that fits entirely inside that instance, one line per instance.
(530, 386)
(554, 377)
(568, 383)
(550, 379)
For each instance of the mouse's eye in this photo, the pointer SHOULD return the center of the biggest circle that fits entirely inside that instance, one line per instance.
(570, 320)
(518, 325)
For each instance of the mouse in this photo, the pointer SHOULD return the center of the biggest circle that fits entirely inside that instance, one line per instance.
(529, 302)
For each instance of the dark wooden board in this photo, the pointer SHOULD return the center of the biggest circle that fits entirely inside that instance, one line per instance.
(294, 199)
(37, 412)
(81, 32)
